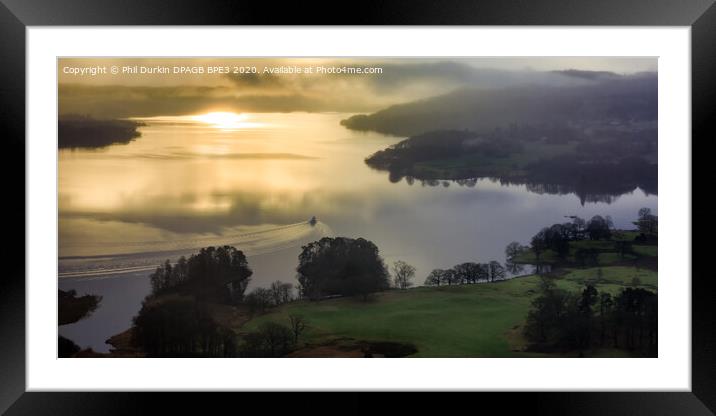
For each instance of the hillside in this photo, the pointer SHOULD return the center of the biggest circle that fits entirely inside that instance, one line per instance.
(623, 98)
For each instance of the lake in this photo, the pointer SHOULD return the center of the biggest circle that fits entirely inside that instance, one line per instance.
(254, 181)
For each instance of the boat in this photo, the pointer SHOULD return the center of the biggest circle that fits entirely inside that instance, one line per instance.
(313, 220)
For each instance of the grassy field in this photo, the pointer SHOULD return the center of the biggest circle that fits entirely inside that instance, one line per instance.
(482, 320)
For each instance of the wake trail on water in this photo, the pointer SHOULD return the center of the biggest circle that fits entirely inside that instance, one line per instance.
(143, 256)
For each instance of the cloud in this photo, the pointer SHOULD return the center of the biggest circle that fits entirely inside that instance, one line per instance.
(401, 80)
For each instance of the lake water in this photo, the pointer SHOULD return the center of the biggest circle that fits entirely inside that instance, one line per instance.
(254, 182)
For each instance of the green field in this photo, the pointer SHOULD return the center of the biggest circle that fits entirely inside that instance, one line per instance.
(481, 320)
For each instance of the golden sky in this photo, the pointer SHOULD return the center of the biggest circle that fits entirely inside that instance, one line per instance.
(127, 94)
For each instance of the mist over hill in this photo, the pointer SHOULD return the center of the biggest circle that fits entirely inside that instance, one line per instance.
(606, 98)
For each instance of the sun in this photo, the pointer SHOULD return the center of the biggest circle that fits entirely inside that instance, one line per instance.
(225, 120)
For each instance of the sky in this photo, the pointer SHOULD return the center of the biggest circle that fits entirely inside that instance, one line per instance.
(400, 80)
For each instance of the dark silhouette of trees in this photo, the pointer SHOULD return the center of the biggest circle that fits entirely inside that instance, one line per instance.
(467, 273)
(258, 300)
(403, 274)
(270, 340)
(178, 326)
(449, 277)
(281, 293)
(513, 250)
(497, 271)
(554, 238)
(341, 266)
(435, 278)
(548, 311)
(214, 273)
(564, 321)
(598, 228)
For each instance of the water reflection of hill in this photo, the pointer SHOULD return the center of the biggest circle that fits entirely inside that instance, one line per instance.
(586, 192)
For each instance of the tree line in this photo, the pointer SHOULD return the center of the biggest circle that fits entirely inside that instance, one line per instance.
(467, 273)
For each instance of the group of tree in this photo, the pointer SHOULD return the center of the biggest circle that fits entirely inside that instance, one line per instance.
(564, 321)
(558, 236)
(181, 326)
(467, 273)
(273, 339)
(341, 266)
(260, 299)
(218, 274)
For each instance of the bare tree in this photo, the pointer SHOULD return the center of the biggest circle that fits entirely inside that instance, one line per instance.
(403, 273)
(281, 292)
(298, 324)
(497, 272)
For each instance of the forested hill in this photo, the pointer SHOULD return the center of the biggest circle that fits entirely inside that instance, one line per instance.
(607, 98)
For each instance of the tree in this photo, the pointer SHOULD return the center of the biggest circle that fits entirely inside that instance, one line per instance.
(180, 327)
(539, 243)
(281, 292)
(298, 325)
(270, 340)
(403, 273)
(341, 266)
(469, 272)
(647, 223)
(513, 250)
(449, 277)
(435, 278)
(543, 320)
(598, 228)
(214, 273)
(497, 272)
(605, 309)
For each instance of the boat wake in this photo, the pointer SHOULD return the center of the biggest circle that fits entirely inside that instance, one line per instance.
(128, 258)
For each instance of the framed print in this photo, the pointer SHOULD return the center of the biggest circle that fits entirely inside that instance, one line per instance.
(470, 193)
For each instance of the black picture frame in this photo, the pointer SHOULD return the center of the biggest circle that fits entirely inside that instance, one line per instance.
(16, 15)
